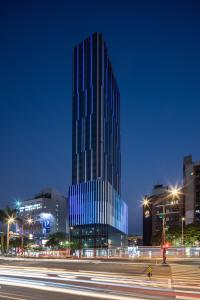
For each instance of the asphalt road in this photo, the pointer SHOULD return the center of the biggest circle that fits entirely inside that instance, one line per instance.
(117, 280)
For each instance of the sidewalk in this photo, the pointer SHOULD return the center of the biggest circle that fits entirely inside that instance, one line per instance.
(155, 261)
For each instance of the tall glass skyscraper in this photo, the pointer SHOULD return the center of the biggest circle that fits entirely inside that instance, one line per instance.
(98, 216)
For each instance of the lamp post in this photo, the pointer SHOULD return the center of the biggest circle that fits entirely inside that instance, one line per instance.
(164, 235)
(163, 241)
(10, 221)
(163, 244)
(173, 193)
(71, 228)
(22, 239)
(182, 236)
(29, 221)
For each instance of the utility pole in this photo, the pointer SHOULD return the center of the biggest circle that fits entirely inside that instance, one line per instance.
(8, 237)
(22, 239)
(164, 235)
(182, 236)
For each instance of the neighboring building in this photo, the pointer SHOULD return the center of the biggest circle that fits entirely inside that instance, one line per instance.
(153, 213)
(191, 181)
(98, 215)
(48, 212)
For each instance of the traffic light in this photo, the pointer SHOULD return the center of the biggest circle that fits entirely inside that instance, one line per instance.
(166, 246)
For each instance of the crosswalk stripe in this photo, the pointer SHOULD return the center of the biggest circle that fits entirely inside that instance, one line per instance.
(186, 280)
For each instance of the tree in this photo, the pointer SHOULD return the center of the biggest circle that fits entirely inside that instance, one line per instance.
(5, 216)
(57, 240)
(74, 245)
(174, 235)
(15, 242)
(2, 220)
(191, 235)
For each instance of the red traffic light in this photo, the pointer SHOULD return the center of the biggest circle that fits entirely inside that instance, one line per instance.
(166, 246)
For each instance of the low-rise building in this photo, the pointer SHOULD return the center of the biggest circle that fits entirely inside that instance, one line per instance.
(44, 214)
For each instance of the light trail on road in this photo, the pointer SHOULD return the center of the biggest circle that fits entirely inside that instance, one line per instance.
(98, 284)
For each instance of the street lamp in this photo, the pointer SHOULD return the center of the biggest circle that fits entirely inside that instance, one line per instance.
(182, 237)
(30, 221)
(145, 202)
(70, 228)
(18, 203)
(163, 243)
(10, 221)
(175, 192)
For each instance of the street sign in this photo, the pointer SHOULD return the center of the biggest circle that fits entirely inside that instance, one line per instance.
(149, 271)
(161, 215)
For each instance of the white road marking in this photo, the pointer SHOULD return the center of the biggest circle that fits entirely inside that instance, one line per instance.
(169, 283)
(186, 298)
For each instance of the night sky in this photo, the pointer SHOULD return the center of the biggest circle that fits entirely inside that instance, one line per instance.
(154, 47)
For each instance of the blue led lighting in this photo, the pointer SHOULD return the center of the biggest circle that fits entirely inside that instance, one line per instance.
(97, 202)
(83, 68)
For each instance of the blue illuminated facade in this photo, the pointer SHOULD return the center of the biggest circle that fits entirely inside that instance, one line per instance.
(97, 202)
(94, 196)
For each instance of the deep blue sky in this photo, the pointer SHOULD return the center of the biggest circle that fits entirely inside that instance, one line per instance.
(155, 51)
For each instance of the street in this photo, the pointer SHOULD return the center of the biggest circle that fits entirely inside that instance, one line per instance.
(120, 280)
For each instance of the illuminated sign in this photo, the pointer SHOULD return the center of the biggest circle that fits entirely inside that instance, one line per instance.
(47, 221)
(30, 207)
